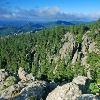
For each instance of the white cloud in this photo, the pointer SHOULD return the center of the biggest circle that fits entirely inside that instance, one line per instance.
(44, 14)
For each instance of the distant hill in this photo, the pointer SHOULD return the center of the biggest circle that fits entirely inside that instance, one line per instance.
(16, 27)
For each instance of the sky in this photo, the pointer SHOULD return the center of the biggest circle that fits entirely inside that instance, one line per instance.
(50, 10)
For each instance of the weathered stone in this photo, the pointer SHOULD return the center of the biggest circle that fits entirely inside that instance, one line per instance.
(30, 77)
(75, 57)
(80, 80)
(36, 89)
(68, 46)
(68, 91)
(10, 92)
(3, 75)
(24, 76)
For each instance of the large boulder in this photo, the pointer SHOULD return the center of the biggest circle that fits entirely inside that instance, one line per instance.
(69, 91)
(3, 75)
(82, 82)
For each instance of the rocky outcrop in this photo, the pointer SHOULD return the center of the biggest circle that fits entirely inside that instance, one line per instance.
(35, 89)
(66, 92)
(24, 76)
(82, 82)
(23, 91)
(69, 45)
(3, 75)
(8, 82)
(75, 57)
(10, 92)
(69, 91)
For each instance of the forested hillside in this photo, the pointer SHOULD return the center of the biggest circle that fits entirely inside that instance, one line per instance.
(55, 54)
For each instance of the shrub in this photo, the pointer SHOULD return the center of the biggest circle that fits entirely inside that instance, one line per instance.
(94, 88)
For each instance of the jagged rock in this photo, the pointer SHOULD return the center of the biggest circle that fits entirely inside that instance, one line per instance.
(69, 91)
(3, 75)
(68, 46)
(80, 80)
(24, 76)
(36, 89)
(30, 77)
(75, 57)
(93, 48)
(85, 44)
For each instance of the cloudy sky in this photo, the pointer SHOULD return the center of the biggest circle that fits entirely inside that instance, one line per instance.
(50, 10)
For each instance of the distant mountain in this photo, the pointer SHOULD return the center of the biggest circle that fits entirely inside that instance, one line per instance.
(60, 22)
(16, 27)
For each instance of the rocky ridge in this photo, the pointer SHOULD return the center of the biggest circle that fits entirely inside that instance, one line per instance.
(26, 89)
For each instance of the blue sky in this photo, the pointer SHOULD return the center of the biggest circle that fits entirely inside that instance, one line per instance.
(50, 9)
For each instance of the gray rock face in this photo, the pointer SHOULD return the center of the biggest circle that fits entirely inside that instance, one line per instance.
(69, 91)
(36, 89)
(68, 46)
(66, 92)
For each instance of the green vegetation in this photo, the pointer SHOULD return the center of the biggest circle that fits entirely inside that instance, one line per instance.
(36, 53)
(94, 61)
(94, 88)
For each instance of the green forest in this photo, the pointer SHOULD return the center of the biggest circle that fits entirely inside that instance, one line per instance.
(38, 53)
